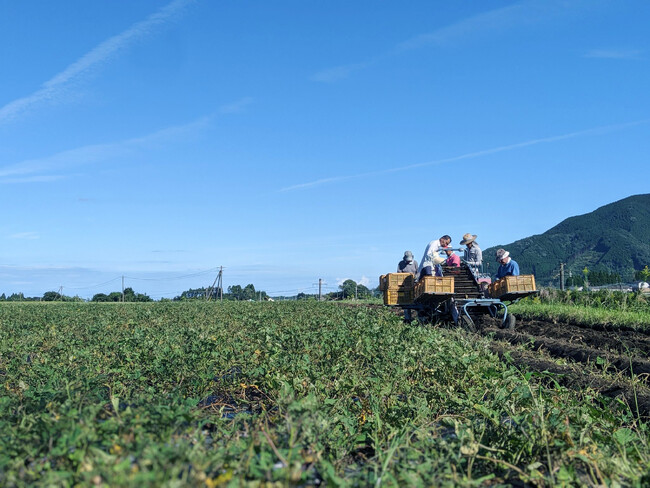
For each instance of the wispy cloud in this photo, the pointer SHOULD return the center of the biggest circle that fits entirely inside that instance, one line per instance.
(614, 54)
(492, 20)
(53, 90)
(25, 235)
(476, 154)
(236, 107)
(56, 166)
(32, 179)
(331, 75)
(517, 14)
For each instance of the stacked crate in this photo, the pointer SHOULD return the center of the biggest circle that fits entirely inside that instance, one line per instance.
(436, 285)
(397, 288)
(512, 284)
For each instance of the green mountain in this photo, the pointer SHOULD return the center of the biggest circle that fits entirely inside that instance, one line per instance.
(613, 238)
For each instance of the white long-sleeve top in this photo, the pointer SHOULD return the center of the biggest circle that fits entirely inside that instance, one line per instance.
(430, 252)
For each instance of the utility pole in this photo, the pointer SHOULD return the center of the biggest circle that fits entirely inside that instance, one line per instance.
(218, 281)
(320, 289)
(61, 292)
(562, 276)
(122, 288)
(355, 290)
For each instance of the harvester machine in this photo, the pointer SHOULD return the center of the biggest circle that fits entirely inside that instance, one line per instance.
(457, 297)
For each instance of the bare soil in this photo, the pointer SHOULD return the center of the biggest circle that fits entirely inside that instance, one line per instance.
(622, 352)
(576, 378)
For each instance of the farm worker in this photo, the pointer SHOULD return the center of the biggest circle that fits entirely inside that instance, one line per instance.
(431, 257)
(407, 264)
(452, 259)
(473, 255)
(508, 267)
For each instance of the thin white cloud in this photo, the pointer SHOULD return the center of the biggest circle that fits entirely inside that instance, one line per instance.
(331, 75)
(484, 152)
(52, 168)
(517, 14)
(54, 89)
(25, 235)
(236, 107)
(32, 179)
(491, 20)
(11, 267)
(614, 54)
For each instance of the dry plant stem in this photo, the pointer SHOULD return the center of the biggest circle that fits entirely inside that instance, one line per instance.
(505, 463)
(275, 450)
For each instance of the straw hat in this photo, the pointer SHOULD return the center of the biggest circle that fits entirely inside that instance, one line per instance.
(502, 254)
(408, 256)
(467, 238)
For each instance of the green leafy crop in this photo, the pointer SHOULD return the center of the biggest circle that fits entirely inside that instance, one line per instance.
(306, 393)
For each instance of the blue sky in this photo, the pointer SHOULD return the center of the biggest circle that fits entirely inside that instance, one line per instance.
(290, 141)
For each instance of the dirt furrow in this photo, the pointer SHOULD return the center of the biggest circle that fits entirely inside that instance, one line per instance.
(629, 365)
(627, 342)
(574, 377)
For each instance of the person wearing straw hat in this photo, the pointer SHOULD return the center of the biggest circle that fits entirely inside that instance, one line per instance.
(508, 266)
(473, 255)
(431, 260)
(407, 264)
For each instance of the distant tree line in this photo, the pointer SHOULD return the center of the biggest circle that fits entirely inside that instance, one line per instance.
(349, 289)
(235, 292)
(54, 296)
(594, 278)
(116, 296)
(48, 296)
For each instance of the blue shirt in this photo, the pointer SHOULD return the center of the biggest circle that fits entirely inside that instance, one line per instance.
(509, 269)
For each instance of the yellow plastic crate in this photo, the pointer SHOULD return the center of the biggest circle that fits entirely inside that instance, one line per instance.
(398, 297)
(398, 281)
(434, 285)
(512, 284)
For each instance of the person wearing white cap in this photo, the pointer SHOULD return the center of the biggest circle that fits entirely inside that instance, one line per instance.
(407, 264)
(508, 266)
(473, 254)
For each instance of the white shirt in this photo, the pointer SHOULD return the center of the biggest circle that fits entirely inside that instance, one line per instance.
(429, 253)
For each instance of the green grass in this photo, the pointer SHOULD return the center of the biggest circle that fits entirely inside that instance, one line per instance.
(584, 313)
(108, 394)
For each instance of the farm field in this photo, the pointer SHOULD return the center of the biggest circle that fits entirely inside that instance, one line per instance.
(601, 310)
(307, 394)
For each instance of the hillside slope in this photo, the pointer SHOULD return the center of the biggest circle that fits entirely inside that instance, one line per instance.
(615, 238)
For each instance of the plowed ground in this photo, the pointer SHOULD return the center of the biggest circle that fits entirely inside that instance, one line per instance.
(612, 362)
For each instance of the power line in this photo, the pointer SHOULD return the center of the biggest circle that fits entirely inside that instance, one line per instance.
(171, 278)
(315, 288)
(93, 286)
